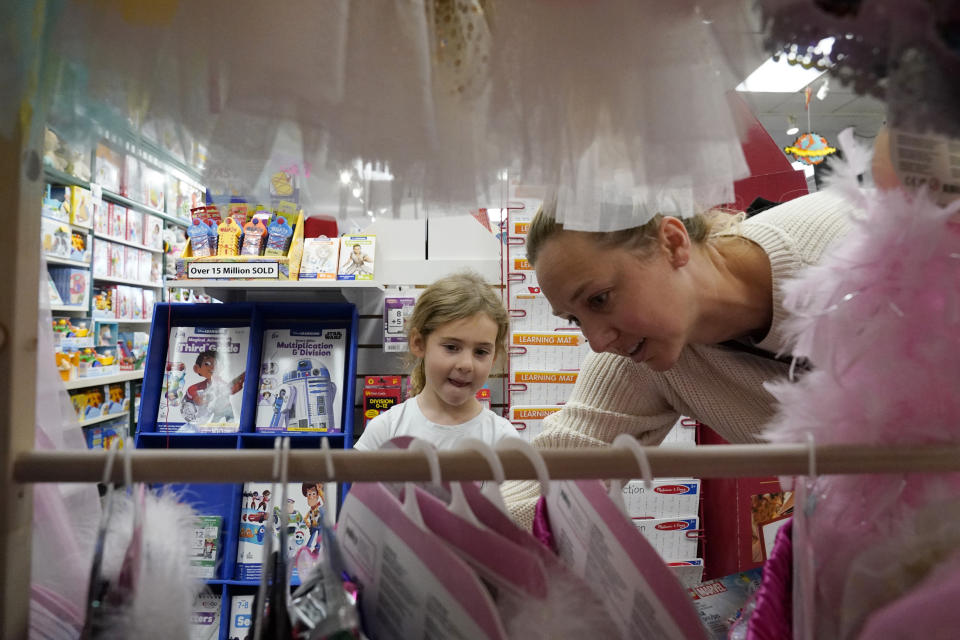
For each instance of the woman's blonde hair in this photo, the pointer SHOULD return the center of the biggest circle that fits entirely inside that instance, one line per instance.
(454, 297)
(700, 227)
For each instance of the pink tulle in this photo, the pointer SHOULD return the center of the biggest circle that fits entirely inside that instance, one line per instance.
(880, 320)
(773, 610)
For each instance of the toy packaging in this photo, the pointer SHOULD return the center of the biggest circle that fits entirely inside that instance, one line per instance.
(152, 232)
(668, 497)
(144, 264)
(116, 266)
(56, 237)
(241, 617)
(203, 378)
(228, 234)
(131, 184)
(79, 245)
(200, 243)
(379, 394)
(136, 303)
(101, 258)
(154, 186)
(205, 546)
(149, 300)
(254, 238)
(131, 263)
(205, 618)
(109, 168)
(673, 538)
(301, 381)
(188, 197)
(319, 260)
(278, 237)
(156, 268)
(104, 298)
(357, 257)
(54, 294)
(718, 602)
(303, 516)
(548, 351)
(56, 203)
(134, 227)
(81, 207)
(117, 399)
(528, 420)
(102, 435)
(101, 218)
(105, 334)
(73, 285)
(117, 221)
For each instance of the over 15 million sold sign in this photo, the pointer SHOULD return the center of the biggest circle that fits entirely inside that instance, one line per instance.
(243, 270)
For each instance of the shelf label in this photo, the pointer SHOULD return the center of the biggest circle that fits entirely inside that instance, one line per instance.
(228, 270)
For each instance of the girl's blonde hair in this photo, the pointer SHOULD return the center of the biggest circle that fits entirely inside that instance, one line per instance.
(454, 297)
(700, 227)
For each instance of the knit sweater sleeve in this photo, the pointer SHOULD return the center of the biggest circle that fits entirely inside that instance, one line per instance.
(612, 395)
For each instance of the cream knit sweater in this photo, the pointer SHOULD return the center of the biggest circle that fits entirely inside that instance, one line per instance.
(718, 386)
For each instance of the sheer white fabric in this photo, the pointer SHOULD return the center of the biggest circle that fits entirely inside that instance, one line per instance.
(619, 104)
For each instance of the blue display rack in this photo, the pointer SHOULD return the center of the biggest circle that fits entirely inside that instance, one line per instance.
(224, 499)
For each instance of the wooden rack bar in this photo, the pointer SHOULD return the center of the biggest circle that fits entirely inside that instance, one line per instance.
(710, 461)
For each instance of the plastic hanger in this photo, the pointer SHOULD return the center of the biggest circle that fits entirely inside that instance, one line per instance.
(629, 442)
(531, 454)
(491, 490)
(97, 586)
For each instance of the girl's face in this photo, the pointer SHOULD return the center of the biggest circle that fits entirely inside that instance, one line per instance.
(457, 358)
(639, 306)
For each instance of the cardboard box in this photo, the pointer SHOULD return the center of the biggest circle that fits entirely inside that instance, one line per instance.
(667, 498)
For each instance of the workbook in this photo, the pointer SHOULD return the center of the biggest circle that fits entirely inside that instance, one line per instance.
(202, 380)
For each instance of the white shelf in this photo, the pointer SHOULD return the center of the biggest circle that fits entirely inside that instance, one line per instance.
(128, 243)
(135, 283)
(69, 307)
(95, 381)
(66, 262)
(124, 320)
(273, 284)
(98, 419)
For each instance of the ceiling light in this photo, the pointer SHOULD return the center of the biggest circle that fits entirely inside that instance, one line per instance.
(792, 128)
(779, 76)
(345, 177)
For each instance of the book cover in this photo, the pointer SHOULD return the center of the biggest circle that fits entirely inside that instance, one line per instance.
(205, 546)
(304, 512)
(357, 254)
(205, 617)
(319, 261)
(202, 381)
(301, 380)
(241, 617)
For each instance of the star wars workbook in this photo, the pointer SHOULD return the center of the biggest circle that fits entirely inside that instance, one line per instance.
(203, 379)
(301, 381)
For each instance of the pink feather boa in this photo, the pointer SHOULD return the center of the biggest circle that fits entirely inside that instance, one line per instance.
(880, 320)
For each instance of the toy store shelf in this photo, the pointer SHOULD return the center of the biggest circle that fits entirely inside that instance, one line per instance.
(70, 308)
(67, 262)
(60, 177)
(136, 283)
(274, 284)
(109, 416)
(94, 381)
(129, 243)
(126, 320)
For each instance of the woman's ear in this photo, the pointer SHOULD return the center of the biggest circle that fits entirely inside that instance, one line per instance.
(418, 345)
(674, 240)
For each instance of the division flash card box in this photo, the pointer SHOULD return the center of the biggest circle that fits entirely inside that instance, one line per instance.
(305, 508)
(319, 261)
(203, 379)
(301, 380)
(205, 546)
(356, 257)
(379, 394)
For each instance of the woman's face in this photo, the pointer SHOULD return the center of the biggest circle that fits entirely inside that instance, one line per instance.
(636, 305)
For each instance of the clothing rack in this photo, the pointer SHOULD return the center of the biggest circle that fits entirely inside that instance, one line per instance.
(708, 461)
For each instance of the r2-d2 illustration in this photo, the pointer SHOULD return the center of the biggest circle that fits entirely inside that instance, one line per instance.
(305, 399)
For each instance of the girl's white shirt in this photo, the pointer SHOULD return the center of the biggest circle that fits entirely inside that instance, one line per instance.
(406, 419)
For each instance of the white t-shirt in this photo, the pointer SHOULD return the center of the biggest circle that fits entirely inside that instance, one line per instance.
(406, 419)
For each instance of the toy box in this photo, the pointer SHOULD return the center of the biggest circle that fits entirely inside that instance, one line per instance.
(548, 351)
(288, 266)
(131, 263)
(152, 232)
(117, 221)
(109, 168)
(122, 303)
(188, 196)
(528, 420)
(104, 298)
(379, 394)
(101, 258)
(56, 203)
(136, 303)
(117, 399)
(149, 300)
(131, 184)
(205, 546)
(101, 218)
(718, 602)
(134, 228)
(144, 264)
(117, 265)
(105, 333)
(302, 515)
(205, 617)
(156, 268)
(397, 307)
(72, 284)
(56, 238)
(357, 253)
(79, 245)
(53, 295)
(81, 207)
(102, 435)
(541, 387)
(319, 258)
(301, 380)
(674, 538)
(203, 376)
(154, 188)
(668, 497)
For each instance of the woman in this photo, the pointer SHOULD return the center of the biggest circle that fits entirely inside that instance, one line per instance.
(685, 317)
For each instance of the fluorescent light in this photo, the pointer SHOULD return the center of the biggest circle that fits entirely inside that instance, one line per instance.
(793, 130)
(778, 76)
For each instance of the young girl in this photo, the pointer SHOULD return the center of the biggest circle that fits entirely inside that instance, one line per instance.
(457, 331)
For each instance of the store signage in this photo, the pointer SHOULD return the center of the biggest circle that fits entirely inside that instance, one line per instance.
(228, 270)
